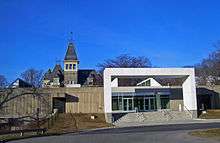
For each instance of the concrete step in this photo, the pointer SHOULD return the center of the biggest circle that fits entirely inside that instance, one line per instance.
(155, 116)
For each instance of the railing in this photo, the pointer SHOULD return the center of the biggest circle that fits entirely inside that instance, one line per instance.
(140, 116)
(166, 112)
(191, 114)
(21, 132)
(35, 126)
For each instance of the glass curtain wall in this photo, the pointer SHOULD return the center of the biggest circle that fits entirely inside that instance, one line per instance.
(132, 101)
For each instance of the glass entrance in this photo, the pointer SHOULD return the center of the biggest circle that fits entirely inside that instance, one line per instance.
(149, 103)
(139, 103)
(128, 104)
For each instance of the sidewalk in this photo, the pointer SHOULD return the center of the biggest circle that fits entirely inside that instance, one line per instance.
(131, 124)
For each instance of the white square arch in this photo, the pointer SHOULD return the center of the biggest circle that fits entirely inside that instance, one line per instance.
(189, 86)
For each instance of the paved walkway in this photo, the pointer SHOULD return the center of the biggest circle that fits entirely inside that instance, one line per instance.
(130, 124)
(145, 134)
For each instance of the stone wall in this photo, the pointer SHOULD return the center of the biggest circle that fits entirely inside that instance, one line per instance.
(25, 103)
(80, 100)
(70, 76)
(174, 104)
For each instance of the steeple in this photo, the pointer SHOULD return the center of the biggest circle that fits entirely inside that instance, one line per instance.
(71, 51)
(70, 64)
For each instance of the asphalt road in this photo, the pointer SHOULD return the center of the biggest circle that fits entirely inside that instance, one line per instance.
(148, 134)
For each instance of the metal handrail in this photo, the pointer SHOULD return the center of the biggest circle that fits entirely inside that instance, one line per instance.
(191, 114)
(139, 114)
(167, 113)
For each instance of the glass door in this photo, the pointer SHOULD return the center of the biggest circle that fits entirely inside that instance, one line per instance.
(128, 104)
(146, 104)
(149, 103)
(152, 103)
(139, 103)
(125, 104)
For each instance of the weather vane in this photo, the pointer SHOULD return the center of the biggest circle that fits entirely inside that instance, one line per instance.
(71, 37)
(58, 61)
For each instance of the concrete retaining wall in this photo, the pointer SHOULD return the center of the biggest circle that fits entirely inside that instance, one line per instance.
(81, 100)
(26, 105)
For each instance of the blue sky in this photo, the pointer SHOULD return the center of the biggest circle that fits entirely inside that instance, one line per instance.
(171, 33)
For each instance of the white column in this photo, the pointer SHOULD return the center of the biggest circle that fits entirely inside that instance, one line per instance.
(189, 93)
(107, 92)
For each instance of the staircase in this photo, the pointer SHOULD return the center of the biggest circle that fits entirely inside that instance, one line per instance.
(154, 116)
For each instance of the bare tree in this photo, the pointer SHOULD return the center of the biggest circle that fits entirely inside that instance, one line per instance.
(125, 61)
(3, 81)
(8, 94)
(209, 69)
(33, 76)
(9, 98)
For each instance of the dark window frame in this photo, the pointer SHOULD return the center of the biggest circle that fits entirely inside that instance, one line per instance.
(70, 66)
(74, 66)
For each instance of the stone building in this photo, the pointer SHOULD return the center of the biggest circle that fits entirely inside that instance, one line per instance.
(71, 66)
(71, 75)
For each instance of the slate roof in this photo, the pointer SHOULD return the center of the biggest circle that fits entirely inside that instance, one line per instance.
(48, 75)
(56, 73)
(20, 84)
(83, 75)
(71, 52)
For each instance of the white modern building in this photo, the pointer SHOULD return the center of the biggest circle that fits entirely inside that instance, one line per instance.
(148, 95)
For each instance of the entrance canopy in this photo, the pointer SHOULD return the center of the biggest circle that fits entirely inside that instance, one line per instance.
(188, 85)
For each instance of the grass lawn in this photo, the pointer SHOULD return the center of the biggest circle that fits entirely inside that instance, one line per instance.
(211, 114)
(210, 133)
(74, 122)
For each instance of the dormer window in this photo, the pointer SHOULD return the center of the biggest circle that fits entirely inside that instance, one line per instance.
(70, 67)
(66, 66)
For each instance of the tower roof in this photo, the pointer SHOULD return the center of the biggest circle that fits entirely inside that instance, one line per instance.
(71, 52)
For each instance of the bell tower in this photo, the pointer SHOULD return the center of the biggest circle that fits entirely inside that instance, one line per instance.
(71, 63)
